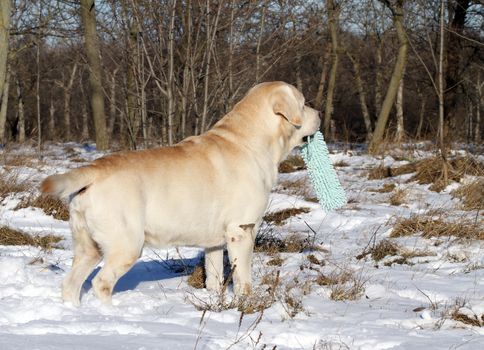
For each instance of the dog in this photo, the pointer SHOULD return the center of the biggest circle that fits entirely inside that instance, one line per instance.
(208, 191)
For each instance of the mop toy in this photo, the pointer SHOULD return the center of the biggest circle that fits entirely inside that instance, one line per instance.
(328, 189)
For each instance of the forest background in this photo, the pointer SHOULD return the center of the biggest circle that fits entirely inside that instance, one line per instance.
(136, 73)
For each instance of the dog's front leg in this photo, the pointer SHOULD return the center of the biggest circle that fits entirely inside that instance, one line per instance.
(214, 268)
(240, 243)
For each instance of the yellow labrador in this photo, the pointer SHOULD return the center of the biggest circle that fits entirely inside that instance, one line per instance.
(206, 191)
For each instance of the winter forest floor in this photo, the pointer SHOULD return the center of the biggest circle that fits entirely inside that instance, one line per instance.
(401, 266)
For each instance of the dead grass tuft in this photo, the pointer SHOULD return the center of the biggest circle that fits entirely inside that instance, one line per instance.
(466, 319)
(344, 284)
(50, 205)
(429, 227)
(430, 171)
(398, 197)
(298, 188)
(271, 244)
(340, 164)
(292, 164)
(314, 260)
(384, 248)
(197, 278)
(275, 261)
(19, 161)
(472, 195)
(387, 188)
(280, 216)
(9, 236)
(257, 301)
(10, 183)
(380, 172)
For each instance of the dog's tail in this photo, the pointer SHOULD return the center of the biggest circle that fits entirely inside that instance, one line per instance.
(71, 182)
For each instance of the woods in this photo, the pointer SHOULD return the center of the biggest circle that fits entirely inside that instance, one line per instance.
(137, 73)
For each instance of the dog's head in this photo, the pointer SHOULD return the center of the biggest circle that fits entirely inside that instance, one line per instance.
(282, 114)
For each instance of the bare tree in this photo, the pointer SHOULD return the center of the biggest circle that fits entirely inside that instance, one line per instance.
(88, 16)
(396, 8)
(20, 111)
(5, 7)
(333, 15)
(361, 94)
(67, 90)
(399, 107)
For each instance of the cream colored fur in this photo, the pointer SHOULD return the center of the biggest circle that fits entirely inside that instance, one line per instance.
(207, 191)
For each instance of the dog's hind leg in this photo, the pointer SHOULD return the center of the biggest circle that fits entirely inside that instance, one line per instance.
(119, 257)
(214, 268)
(86, 256)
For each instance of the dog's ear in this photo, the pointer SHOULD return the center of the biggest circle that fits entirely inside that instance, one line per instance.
(285, 105)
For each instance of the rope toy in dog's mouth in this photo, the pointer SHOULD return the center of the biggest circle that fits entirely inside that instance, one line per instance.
(329, 191)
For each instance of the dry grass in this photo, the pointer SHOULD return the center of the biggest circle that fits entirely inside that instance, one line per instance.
(430, 171)
(197, 277)
(387, 188)
(17, 160)
(398, 197)
(10, 183)
(344, 284)
(314, 260)
(50, 205)
(275, 261)
(280, 216)
(380, 172)
(466, 319)
(298, 188)
(292, 164)
(384, 248)
(340, 164)
(271, 244)
(9, 236)
(429, 227)
(472, 195)
(257, 301)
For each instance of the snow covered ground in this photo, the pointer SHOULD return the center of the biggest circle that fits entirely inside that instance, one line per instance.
(398, 306)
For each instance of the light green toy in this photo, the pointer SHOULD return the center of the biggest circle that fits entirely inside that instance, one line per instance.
(322, 174)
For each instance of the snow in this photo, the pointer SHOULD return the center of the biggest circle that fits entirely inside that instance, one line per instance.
(403, 306)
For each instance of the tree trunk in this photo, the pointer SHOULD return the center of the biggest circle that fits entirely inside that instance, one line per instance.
(187, 66)
(457, 11)
(318, 101)
(5, 7)
(67, 102)
(88, 15)
(4, 106)
(52, 119)
(85, 122)
(421, 116)
(398, 22)
(378, 76)
(443, 151)
(211, 31)
(112, 104)
(361, 95)
(399, 107)
(132, 100)
(21, 113)
(169, 88)
(259, 42)
(477, 126)
(333, 14)
(37, 95)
